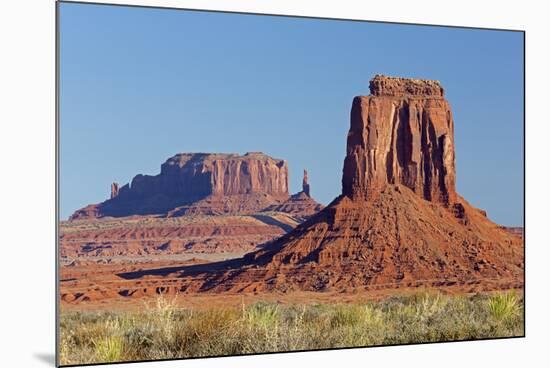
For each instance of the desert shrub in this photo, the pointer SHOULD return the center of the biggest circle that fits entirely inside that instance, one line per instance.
(109, 348)
(162, 330)
(262, 314)
(346, 315)
(504, 307)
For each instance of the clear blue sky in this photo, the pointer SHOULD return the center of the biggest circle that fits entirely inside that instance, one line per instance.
(139, 85)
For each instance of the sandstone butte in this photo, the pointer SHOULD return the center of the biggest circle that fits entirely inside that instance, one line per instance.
(399, 221)
(206, 184)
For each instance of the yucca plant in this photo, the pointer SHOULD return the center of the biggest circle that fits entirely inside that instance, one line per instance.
(262, 314)
(109, 348)
(504, 307)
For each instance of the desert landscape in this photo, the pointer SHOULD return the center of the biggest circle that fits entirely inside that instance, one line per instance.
(214, 253)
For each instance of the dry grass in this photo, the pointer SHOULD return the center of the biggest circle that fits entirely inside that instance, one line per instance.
(162, 331)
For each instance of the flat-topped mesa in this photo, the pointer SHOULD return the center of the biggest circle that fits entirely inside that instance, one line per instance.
(226, 174)
(396, 139)
(382, 85)
(248, 182)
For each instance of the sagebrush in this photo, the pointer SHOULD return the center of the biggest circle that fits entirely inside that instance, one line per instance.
(162, 331)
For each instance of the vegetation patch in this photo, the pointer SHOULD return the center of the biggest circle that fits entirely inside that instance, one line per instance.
(163, 331)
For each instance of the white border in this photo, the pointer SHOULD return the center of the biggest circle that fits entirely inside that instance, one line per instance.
(27, 184)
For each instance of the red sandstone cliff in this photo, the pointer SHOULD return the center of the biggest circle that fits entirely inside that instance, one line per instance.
(225, 174)
(401, 134)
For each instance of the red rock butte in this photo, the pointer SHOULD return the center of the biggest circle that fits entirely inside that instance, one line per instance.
(200, 183)
(399, 221)
(401, 134)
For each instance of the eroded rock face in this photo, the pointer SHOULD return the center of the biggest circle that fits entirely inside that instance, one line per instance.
(401, 134)
(224, 174)
(187, 178)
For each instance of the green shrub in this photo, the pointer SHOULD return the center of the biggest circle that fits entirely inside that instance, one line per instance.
(262, 314)
(109, 349)
(505, 307)
(163, 331)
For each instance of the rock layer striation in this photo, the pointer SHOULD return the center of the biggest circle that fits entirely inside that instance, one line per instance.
(401, 134)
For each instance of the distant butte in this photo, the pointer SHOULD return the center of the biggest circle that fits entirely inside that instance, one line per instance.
(202, 183)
